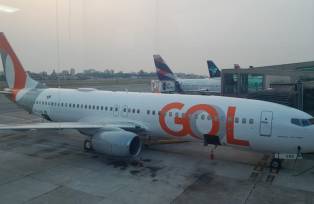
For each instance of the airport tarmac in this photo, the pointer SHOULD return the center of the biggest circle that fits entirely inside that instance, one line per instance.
(51, 167)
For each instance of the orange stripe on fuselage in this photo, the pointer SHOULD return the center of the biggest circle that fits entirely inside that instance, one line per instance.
(230, 129)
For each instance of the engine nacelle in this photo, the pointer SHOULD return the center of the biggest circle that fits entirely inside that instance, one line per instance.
(117, 143)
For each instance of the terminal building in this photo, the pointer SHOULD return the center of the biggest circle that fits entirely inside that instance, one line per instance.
(288, 84)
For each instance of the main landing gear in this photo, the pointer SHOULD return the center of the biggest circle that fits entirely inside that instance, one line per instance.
(87, 145)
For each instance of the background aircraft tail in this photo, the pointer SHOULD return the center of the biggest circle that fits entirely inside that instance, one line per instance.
(213, 69)
(15, 75)
(162, 69)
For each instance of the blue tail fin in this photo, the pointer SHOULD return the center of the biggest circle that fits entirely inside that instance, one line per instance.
(162, 69)
(213, 69)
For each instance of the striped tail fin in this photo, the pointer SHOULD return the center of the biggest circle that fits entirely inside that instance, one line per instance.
(162, 69)
(16, 76)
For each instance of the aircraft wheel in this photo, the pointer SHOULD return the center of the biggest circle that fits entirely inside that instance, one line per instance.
(88, 145)
(275, 164)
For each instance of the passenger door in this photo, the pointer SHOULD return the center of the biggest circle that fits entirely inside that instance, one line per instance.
(266, 123)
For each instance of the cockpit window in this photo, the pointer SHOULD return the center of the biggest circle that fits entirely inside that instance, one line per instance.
(295, 121)
(302, 122)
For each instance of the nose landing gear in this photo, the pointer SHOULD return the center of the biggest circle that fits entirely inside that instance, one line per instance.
(275, 164)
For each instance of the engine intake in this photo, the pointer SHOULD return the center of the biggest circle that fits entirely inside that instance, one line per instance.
(117, 143)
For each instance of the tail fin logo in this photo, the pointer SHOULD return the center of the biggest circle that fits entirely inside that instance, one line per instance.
(162, 69)
(16, 76)
(213, 69)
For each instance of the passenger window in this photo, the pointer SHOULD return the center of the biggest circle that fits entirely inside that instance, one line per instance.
(93, 107)
(77, 105)
(203, 117)
(129, 110)
(208, 117)
(243, 120)
(89, 107)
(116, 109)
(66, 105)
(106, 108)
(124, 109)
(97, 107)
(236, 120)
(153, 112)
(101, 108)
(148, 111)
(251, 121)
(111, 108)
(70, 105)
(138, 110)
(133, 111)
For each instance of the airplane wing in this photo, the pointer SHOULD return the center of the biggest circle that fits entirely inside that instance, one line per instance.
(128, 126)
(6, 92)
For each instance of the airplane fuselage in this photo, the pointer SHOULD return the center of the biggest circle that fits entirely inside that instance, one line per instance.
(200, 85)
(257, 125)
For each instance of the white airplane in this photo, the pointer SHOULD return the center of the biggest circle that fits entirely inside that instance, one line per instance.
(114, 121)
(186, 86)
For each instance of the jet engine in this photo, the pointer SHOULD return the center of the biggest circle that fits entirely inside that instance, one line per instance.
(116, 143)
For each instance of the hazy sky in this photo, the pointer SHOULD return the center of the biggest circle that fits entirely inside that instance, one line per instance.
(124, 34)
